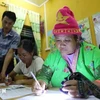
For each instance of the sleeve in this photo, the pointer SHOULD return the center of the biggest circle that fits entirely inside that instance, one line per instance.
(17, 68)
(97, 63)
(15, 42)
(39, 62)
(46, 72)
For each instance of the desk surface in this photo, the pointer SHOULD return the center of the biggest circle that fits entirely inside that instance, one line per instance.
(54, 94)
(14, 91)
(26, 94)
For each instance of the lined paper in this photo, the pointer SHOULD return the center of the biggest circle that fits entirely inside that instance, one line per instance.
(14, 91)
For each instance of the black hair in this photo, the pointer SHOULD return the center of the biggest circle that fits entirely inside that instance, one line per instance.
(11, 15)
(76, 37)
(28, 46)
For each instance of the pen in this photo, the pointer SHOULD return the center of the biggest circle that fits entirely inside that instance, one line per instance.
(7, 80)
(7, 77)
(35, 79)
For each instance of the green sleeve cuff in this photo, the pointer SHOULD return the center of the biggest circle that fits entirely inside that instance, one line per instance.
(44, 79)
(45, 74)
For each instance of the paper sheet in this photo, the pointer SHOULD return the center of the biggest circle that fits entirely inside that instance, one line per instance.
(14, 91)
(54, 95)
(2, 85)
(14, 87)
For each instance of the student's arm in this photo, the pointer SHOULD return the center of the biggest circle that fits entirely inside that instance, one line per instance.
(7, 60)
(12, 74)
(96, 65)
(9, 54)
(25, 81)
(45, 73)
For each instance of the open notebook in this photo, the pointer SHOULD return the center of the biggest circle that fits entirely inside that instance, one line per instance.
(14, 91)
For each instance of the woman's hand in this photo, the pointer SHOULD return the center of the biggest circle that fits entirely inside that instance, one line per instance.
(8, 81)
(72, 87)
(37, 90)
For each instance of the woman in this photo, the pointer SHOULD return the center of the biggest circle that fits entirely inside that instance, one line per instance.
(30, 61)
(72, 55)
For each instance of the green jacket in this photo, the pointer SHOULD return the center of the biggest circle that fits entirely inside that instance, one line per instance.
(55, 67)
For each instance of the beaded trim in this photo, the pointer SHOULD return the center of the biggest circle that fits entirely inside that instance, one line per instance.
(68, 30)
(81, 90)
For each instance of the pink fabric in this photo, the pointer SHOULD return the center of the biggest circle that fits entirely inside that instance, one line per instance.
(72, 59)
(66, 23)
(69, 58)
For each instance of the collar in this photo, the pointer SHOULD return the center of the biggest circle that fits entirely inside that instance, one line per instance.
(8, 34)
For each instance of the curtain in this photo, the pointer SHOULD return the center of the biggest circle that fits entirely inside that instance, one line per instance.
(35, 24)
(20, 14)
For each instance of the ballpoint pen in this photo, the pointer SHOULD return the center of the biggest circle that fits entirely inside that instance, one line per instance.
(35, 79)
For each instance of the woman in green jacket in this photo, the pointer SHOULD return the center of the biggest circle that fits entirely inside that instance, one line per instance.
(72, 55)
